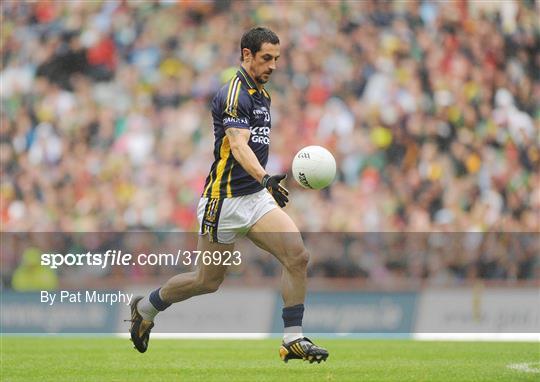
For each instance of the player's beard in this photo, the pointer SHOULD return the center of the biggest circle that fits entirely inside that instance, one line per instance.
(260, 79)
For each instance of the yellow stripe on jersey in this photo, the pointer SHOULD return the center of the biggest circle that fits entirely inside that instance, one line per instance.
(224, 152)
(235, 103)
(205, 193)
(229, 192)
(229, 92)
(231, 104)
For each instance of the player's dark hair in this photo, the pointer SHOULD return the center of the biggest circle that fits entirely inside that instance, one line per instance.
(254, 38)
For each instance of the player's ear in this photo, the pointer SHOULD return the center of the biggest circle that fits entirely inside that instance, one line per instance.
(246, 55)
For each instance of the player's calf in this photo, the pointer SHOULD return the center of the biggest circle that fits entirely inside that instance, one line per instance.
(209, 284)
(186, 285)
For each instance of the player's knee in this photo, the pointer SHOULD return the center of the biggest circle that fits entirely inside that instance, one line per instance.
(298, 259)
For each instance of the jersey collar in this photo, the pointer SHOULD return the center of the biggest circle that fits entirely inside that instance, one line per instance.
(248, 81)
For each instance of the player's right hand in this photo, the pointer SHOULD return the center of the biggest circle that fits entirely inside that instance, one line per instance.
(280, 193)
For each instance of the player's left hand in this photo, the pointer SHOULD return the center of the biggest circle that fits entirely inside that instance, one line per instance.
(280, 193)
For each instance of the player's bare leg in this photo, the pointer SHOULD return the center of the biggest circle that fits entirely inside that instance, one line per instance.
(276, 233)
(205, 279)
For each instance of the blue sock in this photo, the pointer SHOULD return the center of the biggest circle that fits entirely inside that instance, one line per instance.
(157, 302)
(292, 321)
(293, 315)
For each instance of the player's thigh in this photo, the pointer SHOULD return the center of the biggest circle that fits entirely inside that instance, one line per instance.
(277, 233)
(213, 270)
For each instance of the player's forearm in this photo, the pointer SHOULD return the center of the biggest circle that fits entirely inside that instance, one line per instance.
(248, 160)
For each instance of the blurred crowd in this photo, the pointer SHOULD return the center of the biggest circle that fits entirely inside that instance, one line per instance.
(431, 109)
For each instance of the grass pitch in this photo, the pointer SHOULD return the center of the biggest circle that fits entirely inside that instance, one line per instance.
(114, 359)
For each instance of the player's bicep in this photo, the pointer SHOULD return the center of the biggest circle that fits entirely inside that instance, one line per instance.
(237, 136)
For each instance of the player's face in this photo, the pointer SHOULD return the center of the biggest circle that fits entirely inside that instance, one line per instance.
(264, 62)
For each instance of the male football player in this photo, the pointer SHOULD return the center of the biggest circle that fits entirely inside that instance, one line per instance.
(240, 198)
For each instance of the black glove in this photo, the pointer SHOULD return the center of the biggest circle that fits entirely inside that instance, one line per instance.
(280, 193)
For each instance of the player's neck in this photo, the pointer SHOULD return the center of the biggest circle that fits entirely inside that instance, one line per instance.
(251, 77)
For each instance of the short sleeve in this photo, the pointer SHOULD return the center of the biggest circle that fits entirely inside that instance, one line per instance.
(236, 110)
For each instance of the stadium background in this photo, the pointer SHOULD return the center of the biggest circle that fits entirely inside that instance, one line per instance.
(431, 109)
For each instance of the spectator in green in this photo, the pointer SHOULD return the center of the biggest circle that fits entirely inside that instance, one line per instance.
(31, 276)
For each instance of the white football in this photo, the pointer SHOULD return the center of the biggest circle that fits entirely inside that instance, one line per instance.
(314, 167)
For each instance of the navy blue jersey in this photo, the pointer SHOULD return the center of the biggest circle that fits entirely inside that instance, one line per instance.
(240, 105)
